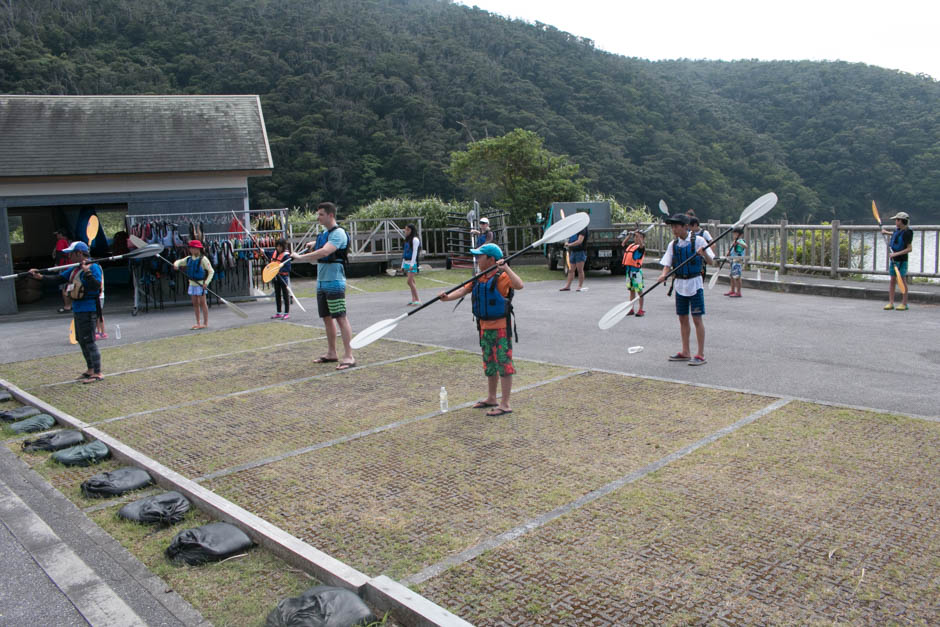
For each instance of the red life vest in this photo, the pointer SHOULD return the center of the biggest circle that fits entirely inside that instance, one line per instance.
(628, 259)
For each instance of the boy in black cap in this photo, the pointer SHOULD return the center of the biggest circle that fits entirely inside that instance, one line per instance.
(692, 251)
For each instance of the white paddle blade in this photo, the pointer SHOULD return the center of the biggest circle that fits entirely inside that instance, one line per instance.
(136, 241)
(663, 208)
(713, 280)
(616, 314)
(757, 209)
(563, 229)
(147, 250)
(238, 311)
(374, 332)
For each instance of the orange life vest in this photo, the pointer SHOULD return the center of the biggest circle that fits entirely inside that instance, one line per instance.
(628, 259)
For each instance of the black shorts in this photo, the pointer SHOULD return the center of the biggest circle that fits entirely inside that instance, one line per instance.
(331, 304)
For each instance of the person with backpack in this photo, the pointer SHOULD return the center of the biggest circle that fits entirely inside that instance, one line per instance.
(199, 271)
(577, 256)
(491, 296)
(409, 262)
(331, 251)
(633, 254)
(83, 285)
(690, 292)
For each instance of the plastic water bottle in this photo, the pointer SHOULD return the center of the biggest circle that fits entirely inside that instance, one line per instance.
(634, 349)
(776, 276)
(444, 405)
(117, 331)
(758, 274)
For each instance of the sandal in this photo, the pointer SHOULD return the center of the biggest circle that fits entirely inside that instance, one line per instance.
(324, 360)
(82, 376)
(498, 412)
(483, 405)
(565, 289)
(93, 377)
(346, 365)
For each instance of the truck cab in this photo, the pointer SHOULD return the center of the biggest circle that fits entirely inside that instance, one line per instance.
(603, 244)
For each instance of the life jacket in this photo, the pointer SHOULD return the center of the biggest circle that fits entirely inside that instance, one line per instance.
(408, 251)
(737, 250)
(490, 304)
(77, 289)
(897, 240)
(340, 255)
(284, 260)
(481, 238)
(194, 269)
(679, 256)
(629, 256)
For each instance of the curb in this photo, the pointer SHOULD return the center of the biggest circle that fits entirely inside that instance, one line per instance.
(406, 606)
(835, 290)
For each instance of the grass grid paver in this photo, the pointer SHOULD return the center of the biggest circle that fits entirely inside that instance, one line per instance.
(152, 389)
(398, 503)
(772, 524)
(206, 438)
(35, 372)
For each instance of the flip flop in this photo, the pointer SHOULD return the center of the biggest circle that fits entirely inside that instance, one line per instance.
(346, 366)
(483, 405)
(565, 289)
(194, 327)
(498, 412)
(324, 360)
(93, 377)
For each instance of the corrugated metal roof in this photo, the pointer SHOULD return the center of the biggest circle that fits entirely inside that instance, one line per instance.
(83, 135)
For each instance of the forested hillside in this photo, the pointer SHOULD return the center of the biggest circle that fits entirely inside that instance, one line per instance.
(368, 98)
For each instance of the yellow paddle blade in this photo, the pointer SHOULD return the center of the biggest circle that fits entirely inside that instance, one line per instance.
(72, 339)
(874, 210)
(91, 229)
(901, 284)
(270, 271)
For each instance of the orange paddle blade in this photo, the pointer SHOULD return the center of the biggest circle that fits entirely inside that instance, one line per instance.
(72, 339)
(270, 271)
(91, 229)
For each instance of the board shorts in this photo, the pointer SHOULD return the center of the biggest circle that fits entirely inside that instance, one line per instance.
(407, 267)
(497, 352)
(331, 304)
(736, 267)
(196, 290)
(635, 279)
(901, 266)
(577, 256)
(694, 303)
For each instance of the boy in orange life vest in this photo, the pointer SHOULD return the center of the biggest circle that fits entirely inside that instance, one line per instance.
(633, 262)
(491, 296)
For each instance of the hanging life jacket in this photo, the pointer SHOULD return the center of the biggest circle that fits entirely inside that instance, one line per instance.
(489, 304)
(340, 255)
(629, 256)
(194, 269)
(679, 256)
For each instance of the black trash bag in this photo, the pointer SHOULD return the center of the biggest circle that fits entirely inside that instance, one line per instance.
(19, 413)
(210, 543)
(39, 422)
(321, 606)
(166, 509)
(83, 455)
(4, 396)
(115, 482)
(55, 441)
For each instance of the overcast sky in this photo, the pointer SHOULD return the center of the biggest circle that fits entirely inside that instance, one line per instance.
(895, 34)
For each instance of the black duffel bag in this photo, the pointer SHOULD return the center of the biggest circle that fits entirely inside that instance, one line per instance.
(55, 441)
(115, 482)
(166, 509)
(210, 543)
(4, 396)
(19, 413)
(83, 455)
(39, 422)
(321, 606)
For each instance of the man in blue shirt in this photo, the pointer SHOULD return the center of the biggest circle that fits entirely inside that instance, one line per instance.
(330, 252)
(83, 284)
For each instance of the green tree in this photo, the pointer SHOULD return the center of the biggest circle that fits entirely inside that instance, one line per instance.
(516, 173)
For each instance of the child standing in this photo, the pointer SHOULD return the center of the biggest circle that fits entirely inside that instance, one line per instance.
(100, 333)
(491, 295)
(736, 253)
(199, 272)
(900, 244)
(633, 255)
(282, 280)
(692, 251)
(409, 262)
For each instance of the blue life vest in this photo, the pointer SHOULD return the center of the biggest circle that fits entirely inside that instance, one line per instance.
(340, 255)
(194, 269)
(481, 239)
(897, 240)
(488, 303)
(406, 254)
(679, 256)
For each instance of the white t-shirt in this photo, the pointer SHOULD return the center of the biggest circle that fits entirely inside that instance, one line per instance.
(687, 287)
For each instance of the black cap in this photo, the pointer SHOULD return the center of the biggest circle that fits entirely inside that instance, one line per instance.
(677, 218)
